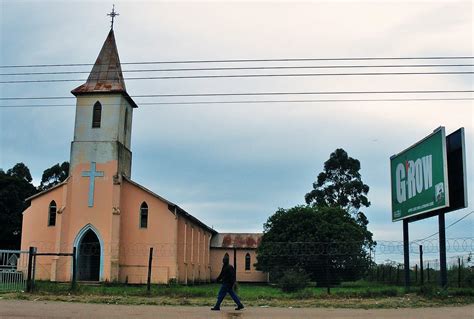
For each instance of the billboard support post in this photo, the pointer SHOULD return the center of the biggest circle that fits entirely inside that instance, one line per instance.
(406, 254)
(442, 251)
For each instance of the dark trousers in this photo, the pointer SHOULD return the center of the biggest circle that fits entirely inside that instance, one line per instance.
(226, 289)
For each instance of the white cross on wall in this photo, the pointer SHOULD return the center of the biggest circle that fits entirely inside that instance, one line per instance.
(92, 174)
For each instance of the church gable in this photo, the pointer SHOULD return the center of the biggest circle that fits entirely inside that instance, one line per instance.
(41, 220)
(135, 202)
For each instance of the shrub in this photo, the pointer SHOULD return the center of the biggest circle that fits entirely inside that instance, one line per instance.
(293, 280)
(172, 282)
(469, 280)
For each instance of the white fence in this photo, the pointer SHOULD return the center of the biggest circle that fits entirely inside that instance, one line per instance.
(13, 270)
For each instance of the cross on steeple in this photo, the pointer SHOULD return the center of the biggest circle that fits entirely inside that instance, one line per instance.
(112, 14)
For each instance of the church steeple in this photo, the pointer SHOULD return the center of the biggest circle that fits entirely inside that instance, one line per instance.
(106, 75)
(104, 110)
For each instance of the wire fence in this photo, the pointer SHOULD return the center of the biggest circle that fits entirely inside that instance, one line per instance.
(328, 263)
(460, 272)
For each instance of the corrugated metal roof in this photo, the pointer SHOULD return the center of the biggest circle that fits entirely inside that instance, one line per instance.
(106, 74)
(237, 240)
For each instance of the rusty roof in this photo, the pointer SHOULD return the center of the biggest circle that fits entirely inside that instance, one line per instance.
(106, 75)
(237, 240)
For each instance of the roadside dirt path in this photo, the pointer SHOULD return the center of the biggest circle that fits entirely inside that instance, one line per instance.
(48, 309)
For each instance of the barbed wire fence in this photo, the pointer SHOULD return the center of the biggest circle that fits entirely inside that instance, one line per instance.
(330, 263)
(388, 267)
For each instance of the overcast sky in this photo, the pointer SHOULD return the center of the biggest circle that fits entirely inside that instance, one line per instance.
(233, 165)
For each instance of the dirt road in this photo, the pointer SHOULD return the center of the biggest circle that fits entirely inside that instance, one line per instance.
(43, 309)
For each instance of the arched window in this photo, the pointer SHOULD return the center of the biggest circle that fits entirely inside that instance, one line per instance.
(52, 214)
(247, 261)
(144, 215)
(96, 115)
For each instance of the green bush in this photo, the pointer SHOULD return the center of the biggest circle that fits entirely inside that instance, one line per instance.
(469, 279)
(293, 280)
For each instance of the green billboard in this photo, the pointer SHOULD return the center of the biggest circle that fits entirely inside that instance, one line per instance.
(419, 177)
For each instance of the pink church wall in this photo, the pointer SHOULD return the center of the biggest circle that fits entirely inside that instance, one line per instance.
(100, 216)
(37, 233)
(252, 275)
(193, 252)
(181, 245)
(135, 242)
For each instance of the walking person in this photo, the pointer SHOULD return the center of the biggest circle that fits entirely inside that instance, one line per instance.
(227, 276)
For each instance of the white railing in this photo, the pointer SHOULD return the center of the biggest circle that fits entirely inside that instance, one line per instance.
(13, 270)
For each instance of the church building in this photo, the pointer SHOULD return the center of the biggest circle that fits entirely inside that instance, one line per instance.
(112, 220)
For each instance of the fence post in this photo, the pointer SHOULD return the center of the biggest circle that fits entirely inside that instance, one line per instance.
(428, 273)
(150, 260)
(327, 276)
(30, 269)
(421, 265)
(33, 275)
(459, 272)
(74, 269)
(398, 274)
(416, 274)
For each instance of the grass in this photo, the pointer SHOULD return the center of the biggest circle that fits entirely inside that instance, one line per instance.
(348, 295)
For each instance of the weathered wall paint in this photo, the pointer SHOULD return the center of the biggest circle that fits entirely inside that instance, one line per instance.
(252, 275)
(181, 243)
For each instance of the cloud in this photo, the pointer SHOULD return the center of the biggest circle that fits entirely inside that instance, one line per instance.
(245, 160)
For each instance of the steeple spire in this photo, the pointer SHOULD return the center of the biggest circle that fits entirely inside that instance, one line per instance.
(106, 74)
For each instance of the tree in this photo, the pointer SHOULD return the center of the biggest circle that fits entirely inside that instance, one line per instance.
(20, 171)
(324, 242)
(15, 187)
(340, 184)
(54, 175)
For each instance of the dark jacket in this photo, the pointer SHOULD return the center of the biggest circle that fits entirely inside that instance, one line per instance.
(227, 275)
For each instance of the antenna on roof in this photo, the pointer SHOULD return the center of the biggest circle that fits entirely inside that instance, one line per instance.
(112, 14)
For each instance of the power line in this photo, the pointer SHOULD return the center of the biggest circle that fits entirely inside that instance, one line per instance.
(253, 102)
(248, 76)
(250, 68)
(457, 221)
(255, 94)
(251, 60)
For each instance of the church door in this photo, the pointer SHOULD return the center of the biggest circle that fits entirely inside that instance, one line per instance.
(88, 265)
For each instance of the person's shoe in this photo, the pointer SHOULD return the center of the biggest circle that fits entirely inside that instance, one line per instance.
(239, 307)
(215, 308)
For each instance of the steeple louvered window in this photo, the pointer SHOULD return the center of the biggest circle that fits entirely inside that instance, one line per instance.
(96, 115)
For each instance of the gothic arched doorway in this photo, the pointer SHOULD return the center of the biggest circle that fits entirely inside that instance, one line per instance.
(88, 257)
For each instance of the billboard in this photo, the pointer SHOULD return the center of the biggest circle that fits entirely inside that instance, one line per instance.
(457, 175)
(419, 177)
